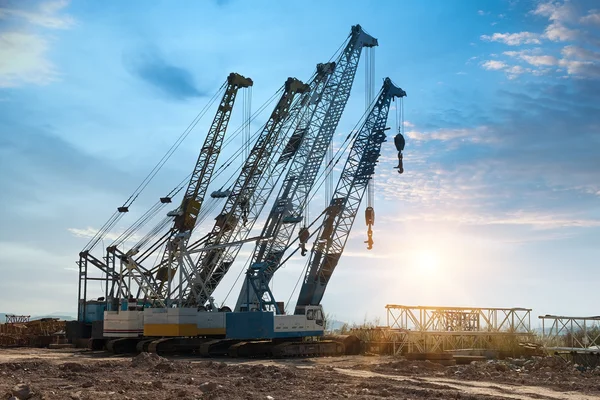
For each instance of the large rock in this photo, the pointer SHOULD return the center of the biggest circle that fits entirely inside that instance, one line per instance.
(22, 391)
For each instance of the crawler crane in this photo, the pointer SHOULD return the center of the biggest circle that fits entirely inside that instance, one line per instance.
(267, 331)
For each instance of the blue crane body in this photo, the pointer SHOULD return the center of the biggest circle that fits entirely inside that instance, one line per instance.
(329, 245)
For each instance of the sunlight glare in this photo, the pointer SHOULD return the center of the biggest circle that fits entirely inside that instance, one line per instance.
(427, 261)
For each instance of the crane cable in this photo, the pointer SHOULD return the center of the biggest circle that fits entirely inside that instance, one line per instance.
(150, 214)
(341, 151)
(328, 171)
(112, 221)
(369, 93)
(306, 208)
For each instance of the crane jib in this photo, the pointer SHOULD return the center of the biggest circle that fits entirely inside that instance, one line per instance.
(295, 190)
(351, 187)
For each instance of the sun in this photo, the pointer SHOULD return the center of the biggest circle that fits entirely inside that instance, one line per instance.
(427, 261)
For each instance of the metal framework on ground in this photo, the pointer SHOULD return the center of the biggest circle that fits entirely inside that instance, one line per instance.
(16, 319)
(570, 334)
(427, 329)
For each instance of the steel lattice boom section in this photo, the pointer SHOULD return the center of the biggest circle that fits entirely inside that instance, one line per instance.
(302, 113)
(239, 208)
(291, 200)
(341, 213)
(196, 191)
(154, 283)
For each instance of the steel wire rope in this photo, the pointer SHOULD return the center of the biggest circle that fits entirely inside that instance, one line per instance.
(213, 202)
(177, 143)
(335, 55)
(370, 91)
(322, 176)
(149, 214)
(330, 167)
(180, 187)
(118, 215)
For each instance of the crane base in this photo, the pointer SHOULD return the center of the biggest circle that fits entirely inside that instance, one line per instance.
(177, 345)
(122, 345)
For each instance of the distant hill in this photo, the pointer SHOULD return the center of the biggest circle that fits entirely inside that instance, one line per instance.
(333, 325)
(57, 315)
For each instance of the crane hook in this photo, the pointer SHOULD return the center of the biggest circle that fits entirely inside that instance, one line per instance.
(399, 142)
(370, 220)
(303, 236)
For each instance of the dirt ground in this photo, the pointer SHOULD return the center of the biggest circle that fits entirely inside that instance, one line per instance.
(80, 374)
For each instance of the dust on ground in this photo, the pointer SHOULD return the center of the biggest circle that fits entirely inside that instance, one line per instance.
(76, 374)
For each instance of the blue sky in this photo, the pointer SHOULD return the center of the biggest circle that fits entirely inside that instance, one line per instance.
(499, 204)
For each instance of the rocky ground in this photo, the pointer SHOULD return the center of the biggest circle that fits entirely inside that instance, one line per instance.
(75, 374)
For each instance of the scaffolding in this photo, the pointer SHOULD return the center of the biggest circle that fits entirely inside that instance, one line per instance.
(17, 319)
(470, 330)
(428, 329)
(562, 333)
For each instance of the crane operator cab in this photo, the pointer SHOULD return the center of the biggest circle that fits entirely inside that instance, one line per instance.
(399, 142)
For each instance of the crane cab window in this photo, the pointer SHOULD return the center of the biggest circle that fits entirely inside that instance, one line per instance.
(319, 317)
(310, 315)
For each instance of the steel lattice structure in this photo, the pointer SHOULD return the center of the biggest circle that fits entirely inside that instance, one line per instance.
(564, 333)
(431, 329)
(151, 282)
(293, 195)
(242, 207)
(17, 319)
(158, 288)
(351, 187)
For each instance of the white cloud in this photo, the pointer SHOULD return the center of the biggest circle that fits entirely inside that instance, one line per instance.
(516, 70)
(23, 53)
(536, 60)
(582, 68)
(557, 32)
(22, 60)
(593, 18)
(494, 65)
(90, 232)
(556, 11)
(480, 134)
(540, 60)
(357, 254)
(580, 53)
(566, 23)
(408, 124)
(45, 15)
(535, 220)
(513, 39)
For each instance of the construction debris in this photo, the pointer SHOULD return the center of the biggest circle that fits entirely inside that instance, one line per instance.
(37, 333)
